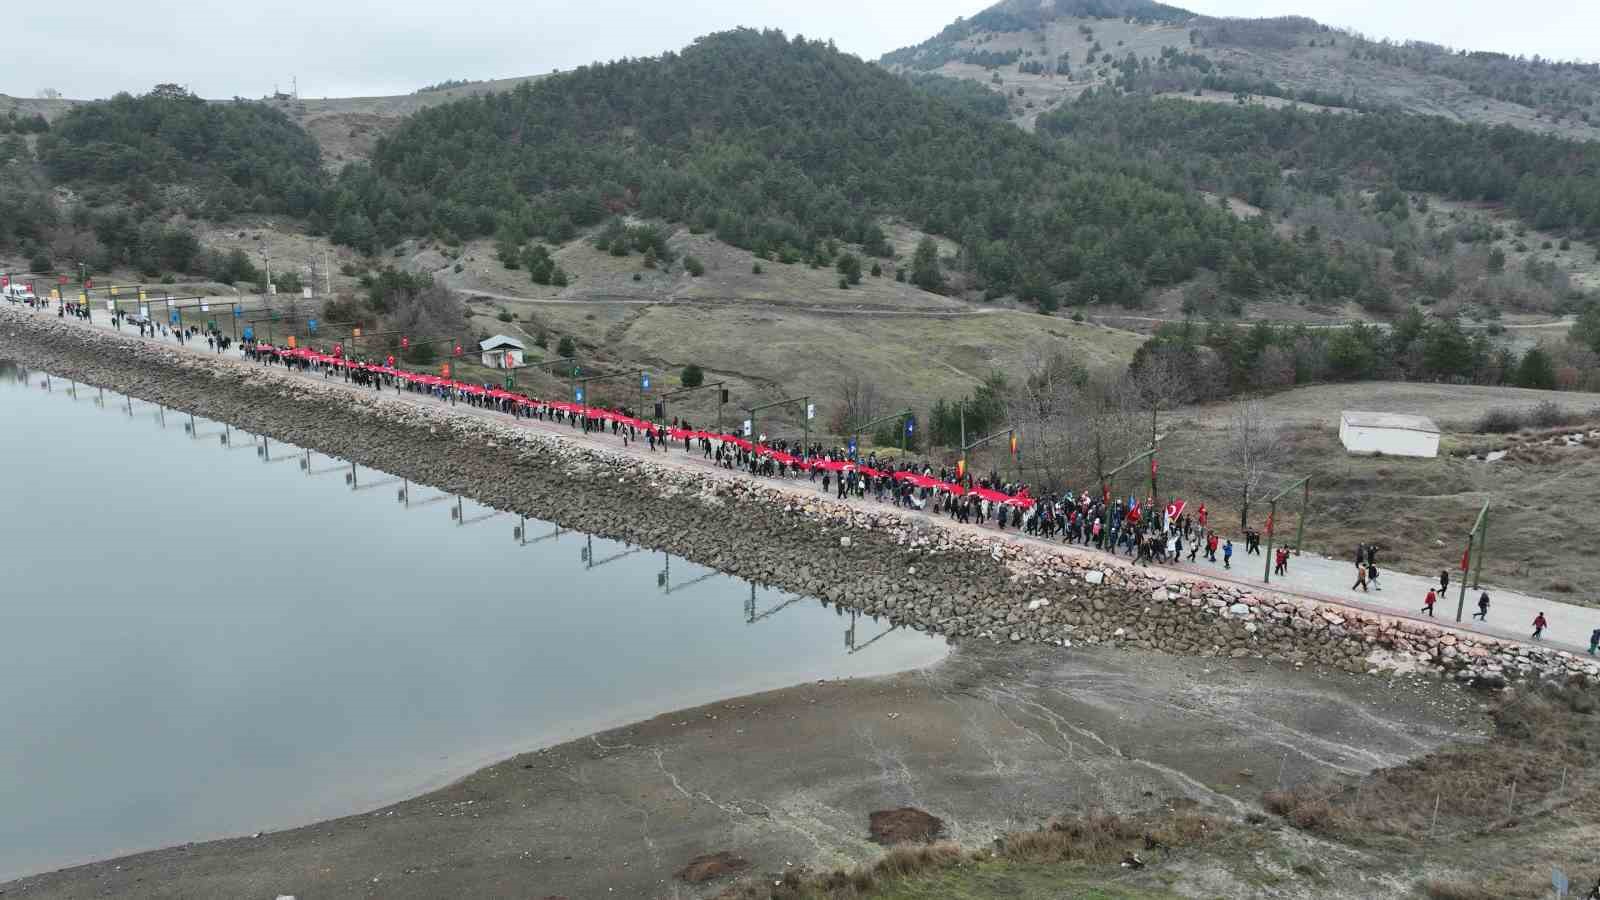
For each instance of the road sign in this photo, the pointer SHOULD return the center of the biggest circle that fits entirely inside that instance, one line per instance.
(645, 382)
(746, 427)
(249, 334)
(405, 343)
(811, 410)
(293, 342)
(444, 370)
(311, 326)
(205, 307)
(355, 332)
(173, 317)
(238, 312)
(458, 350)
(911, 426)
(144, 311)
(578, 395)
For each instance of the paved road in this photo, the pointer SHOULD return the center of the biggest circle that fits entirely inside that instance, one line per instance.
(1313, 577)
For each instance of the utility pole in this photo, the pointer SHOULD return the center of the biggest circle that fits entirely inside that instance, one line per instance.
(1475, 560)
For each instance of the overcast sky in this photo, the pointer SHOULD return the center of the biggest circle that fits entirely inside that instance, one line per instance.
(340, 48)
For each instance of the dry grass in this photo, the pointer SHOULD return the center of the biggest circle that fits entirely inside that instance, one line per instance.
(1437, 889)
(1097, 839)
(1417, 510)
(1545, 753)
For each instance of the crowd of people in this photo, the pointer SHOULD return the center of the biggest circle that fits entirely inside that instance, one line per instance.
(1141, 530)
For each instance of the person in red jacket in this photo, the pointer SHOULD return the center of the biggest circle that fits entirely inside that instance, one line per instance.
(1539, 625)
(1428, 601)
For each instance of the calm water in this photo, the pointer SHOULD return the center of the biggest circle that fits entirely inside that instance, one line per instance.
(200, 642)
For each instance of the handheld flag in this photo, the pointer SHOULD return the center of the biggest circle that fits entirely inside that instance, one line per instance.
(961, 468)
(1013, 443)
(1466, 558)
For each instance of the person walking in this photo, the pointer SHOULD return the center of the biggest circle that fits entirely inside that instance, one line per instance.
(1594, 641)
(1444, 581)
(1539, 625)
(1482, 614)
(1428, 601)
(1361, 578)
(1372, 574)
(1227, 554)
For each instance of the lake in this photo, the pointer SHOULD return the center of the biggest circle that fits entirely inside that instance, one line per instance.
(207, 639)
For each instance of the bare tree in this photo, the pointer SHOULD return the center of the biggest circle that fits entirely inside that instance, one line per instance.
(1161, 382)
(1047, 407)
(49, 94)
(1254, 447)
(858, 402)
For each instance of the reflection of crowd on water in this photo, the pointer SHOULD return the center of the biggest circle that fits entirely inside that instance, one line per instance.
(1141, 530)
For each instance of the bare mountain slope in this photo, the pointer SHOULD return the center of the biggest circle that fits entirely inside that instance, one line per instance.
(1039, 52)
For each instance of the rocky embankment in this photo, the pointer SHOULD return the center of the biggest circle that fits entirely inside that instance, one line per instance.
(879, 561)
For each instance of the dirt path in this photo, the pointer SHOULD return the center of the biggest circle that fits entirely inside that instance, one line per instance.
(994, 739)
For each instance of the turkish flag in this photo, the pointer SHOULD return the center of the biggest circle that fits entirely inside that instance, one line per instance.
(1466, 558)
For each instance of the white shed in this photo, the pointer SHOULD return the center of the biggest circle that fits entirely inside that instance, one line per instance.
(1390, 434)
(501, 352)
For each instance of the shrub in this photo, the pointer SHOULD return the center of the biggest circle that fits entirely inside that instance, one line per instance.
(755, 268)
(1550, 414)
(40, 264)
(566, 348)
(844, 283)
(504, 316)
(694, 266)
(692, 376)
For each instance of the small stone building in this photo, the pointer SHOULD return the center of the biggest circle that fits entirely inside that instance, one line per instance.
(501, 352)
(1389, 434)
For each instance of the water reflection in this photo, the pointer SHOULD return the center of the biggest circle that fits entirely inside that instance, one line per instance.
(462, 510)
(304, 640)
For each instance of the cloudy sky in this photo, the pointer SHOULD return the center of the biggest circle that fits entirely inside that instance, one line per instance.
(93, 48)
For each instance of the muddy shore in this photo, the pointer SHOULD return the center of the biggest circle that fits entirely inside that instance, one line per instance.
(994, 739)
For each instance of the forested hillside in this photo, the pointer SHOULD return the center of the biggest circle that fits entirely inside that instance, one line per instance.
(1551, 182)
(776, 145)
(1354, 188)
(170, 148)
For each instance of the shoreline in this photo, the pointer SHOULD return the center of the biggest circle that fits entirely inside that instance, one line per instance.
(993, 739)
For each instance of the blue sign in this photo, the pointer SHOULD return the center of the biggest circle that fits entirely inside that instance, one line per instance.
(173, 316)
(311, 326)
(645, 382)
(911, 425)
(249, 334)
(578, 395)
(238, 312)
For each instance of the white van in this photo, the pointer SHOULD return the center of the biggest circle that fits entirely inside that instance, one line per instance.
(18, 293)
